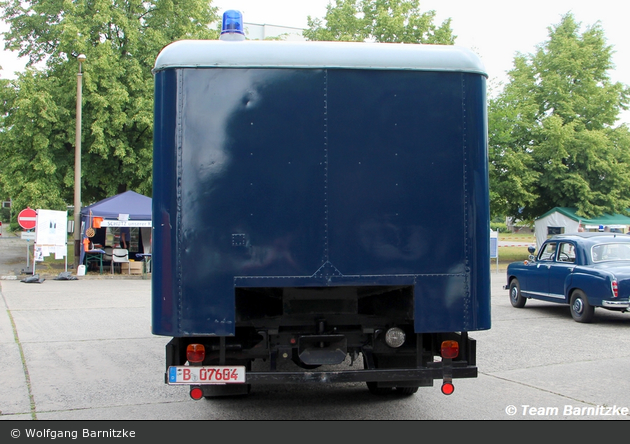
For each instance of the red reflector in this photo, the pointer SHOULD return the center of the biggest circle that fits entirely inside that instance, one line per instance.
(448, 388)
(615, 289)
(196, 393)
(450, 349)
(195, 353)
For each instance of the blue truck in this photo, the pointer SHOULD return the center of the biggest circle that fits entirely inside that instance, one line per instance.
(320, 214)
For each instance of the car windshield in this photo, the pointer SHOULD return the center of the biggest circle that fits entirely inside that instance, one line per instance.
(611, 252)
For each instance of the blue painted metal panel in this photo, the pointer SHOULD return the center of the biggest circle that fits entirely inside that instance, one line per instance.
(164, 201)
(396, 174)
(315, 177)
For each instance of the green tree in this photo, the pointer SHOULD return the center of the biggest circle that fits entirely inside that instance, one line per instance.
(552, 134)
(121, 39)
(386, 21)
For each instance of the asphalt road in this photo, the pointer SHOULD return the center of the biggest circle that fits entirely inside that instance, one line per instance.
(83, 350)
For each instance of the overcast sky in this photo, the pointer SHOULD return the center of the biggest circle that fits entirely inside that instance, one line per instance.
(494, 29)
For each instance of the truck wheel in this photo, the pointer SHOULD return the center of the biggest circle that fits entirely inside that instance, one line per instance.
(219, 391)
(516, 298)
(407, 390)
(375, 390)
(581, 310)
(384, 362)
(373, 385)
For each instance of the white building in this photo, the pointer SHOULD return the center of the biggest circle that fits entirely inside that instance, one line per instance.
(255, 31)
(561, 220)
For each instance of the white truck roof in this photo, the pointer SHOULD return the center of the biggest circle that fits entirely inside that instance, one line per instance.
(316, 54)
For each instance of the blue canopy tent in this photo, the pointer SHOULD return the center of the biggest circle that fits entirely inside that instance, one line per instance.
(128, 209)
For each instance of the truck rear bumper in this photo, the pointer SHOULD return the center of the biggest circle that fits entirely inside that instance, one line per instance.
(421, 377)
(424, 375)
(271, 361)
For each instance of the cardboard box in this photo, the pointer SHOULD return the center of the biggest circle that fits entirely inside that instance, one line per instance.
(136, 267)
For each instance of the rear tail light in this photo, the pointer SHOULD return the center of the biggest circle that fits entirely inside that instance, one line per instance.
(448, 388)
(196, 393)
(195, 353)
(450, 349)
(615, 288)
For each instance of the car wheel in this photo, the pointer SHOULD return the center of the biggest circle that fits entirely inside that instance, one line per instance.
(516, 298)
(581, 310)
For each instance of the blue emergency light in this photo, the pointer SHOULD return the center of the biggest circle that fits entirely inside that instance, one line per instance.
(232, 27)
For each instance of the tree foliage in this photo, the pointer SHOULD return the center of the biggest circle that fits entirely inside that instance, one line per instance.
(552, 135)
(121, 39)
(386, 21)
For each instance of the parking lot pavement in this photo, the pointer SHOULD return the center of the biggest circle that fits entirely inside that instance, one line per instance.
(84, 350)
(75, 344)
(12, 255)
(43, 323)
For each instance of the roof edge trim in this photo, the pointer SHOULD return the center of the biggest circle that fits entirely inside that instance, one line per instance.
(313, 55)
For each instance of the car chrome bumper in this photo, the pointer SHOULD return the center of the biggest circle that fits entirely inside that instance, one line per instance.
(616, 304)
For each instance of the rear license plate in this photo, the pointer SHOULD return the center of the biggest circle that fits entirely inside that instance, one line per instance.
(195, 375)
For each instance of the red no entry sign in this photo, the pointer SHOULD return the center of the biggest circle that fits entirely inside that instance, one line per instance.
(27, 218)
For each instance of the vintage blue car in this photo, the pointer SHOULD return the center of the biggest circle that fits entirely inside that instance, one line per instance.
(584, 270)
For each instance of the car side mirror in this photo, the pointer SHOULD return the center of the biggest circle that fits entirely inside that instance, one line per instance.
(531, 249)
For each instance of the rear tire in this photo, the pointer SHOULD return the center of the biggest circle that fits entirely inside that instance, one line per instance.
(220, 391)
(581, 310)
(516, 298)
(407, 391)
(379, 391)
(390, 362)
(373, 385)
